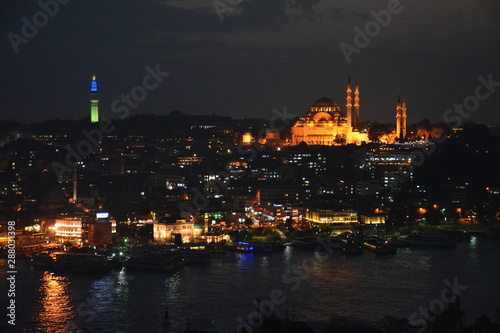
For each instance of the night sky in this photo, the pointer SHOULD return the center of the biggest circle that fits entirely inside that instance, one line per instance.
(263, 54)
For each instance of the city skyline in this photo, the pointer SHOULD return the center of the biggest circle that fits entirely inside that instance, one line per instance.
(247, 59)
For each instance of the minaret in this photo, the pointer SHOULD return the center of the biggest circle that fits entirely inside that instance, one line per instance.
(398, 118)
(356, 106)
(403, 119)
(75, 188)
(94, 101)
(348, 104)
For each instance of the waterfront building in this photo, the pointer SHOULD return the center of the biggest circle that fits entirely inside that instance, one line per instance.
(331, 217)
(170, 230)
(83, 229)
(373, 224)
(72, 228)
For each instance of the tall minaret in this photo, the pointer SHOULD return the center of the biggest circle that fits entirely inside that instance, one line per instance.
(356, 106)
(94, 101)
(75, 188)
(348, 105)
(398, 118)
(403, 119)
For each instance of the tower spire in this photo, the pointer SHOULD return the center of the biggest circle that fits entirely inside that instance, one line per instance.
(403, 119)
(94, 101)
(75, 184)
(398, 118)
(348, 101)
(356, 106)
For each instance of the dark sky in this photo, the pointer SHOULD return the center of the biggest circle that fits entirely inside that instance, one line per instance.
(264, 54)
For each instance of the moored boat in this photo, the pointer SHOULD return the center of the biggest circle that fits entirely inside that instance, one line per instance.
(378, 247)
(151, 262)
(193, 257)
(244, 247)
(428, 239)
(42, 259)
(91, 264)
(351, 248)
(262, 247)
(63, 260)
(305, 243)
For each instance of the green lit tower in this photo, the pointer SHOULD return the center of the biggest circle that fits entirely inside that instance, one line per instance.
(94, 101)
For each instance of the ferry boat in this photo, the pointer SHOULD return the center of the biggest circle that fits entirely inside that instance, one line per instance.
(150, 262)
(351, 248)
(193, 257)
(244, 247)
(378, 247)
(42, 259)
(431, 239)
(91, 264)
(262, 247)
(63, 260)
(305, 243)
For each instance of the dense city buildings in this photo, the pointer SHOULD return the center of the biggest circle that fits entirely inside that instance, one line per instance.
(167, 166)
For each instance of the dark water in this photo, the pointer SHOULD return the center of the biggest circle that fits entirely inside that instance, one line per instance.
(364, 286)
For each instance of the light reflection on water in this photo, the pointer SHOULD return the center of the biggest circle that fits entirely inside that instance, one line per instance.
(365, 286)
(55, 307)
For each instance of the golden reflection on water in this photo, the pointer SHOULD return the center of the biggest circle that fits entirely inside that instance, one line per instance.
(55, 309)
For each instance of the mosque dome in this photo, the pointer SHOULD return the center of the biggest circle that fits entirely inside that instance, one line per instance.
(324, 102)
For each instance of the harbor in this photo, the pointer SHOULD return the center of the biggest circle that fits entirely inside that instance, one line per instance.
(366, 286)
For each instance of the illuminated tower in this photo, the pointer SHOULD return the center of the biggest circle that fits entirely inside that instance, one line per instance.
(356, 107)
(403, 119)
(349, 103)
(94, 101)
(75, 188)
(398, 118)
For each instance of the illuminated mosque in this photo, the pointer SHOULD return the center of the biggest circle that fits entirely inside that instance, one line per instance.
(326, 124)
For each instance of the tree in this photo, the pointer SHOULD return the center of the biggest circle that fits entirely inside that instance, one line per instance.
(378, 130)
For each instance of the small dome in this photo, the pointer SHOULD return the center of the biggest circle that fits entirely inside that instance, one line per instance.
(324, 102)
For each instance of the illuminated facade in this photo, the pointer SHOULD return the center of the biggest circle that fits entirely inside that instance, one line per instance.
(401, 119)
(71, 229)
(171, 232)
(94, 101)
(84, 230)
(326, 124)
(331, 217)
